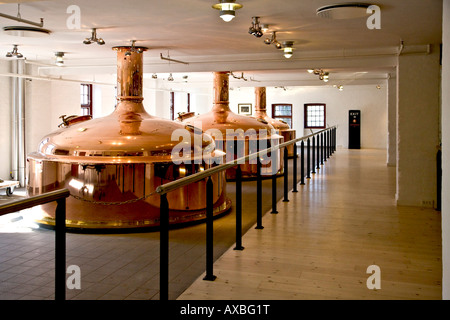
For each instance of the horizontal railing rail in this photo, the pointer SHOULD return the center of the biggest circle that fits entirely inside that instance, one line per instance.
(326, 145)
(173, 185)
(60, 230)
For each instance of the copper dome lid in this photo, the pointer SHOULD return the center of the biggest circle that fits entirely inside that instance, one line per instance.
(128, 135)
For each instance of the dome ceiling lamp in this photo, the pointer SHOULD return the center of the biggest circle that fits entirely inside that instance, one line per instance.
(288, 49)
(227, 9)
(59, 60)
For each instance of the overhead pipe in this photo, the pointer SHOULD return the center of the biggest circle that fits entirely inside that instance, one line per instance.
(7, 16)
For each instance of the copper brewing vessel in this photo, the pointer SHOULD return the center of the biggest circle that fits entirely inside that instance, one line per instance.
(230, 127)
(112, 165)
(282, 127)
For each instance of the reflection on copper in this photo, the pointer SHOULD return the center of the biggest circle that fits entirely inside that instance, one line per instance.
(113, 165)
(222, 118)
(261, 113)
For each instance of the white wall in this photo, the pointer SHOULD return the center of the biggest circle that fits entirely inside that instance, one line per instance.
(371, 101)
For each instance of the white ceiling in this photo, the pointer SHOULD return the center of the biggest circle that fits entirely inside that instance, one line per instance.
(191, 31)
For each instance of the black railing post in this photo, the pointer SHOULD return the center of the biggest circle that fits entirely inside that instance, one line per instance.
(321, 148)
(238, 209)
(318, 152)
(259, 194)
(286, 176)
(308, 159)
(274, 181)
(325, 141)
(313, 161)
(164, 249)
(328, 143)
(302, 163)
(334, 139)
(209, 231)
(294, 169)
(60, 250)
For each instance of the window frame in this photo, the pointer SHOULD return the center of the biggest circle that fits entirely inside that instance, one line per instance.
(87, 106)
(281, 117)
(305, 115)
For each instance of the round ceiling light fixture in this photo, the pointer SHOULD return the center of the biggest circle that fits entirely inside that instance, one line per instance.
(227, 9)
(343, 11)
(22, 31)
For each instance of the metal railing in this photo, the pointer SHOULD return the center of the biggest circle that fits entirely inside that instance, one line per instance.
(324, 149)
(321, 152)
(60, 230)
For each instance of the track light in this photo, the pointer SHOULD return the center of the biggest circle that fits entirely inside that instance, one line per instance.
(94, 38)
(14, 53)
(133, 48)
(324, 76)
(227, 9)
(59, 59)
(273, 40)
(255, 29)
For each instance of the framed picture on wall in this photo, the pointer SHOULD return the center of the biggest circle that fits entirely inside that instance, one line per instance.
(245, 108)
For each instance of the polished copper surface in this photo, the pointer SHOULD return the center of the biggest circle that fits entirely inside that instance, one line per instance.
(225, 126)
(261, 113)
(112, 165)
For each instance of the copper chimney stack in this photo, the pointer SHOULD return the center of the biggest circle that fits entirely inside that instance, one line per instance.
(238, 128)
(261, 113)
(113, 165)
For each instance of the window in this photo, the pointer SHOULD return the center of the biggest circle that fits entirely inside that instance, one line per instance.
(180, 102)
(86, 99)
(315, 115)
(282, 112)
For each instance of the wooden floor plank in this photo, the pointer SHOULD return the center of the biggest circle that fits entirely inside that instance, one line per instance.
(322, 241)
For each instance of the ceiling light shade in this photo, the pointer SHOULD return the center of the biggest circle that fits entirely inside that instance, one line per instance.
(343, 11)
(227, 9)
(288, 49)
(22, 31)
(59, 59)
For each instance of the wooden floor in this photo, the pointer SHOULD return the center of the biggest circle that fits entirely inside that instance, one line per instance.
(320, 244)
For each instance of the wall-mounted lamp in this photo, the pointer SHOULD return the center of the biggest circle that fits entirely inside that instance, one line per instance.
(94, 38)
(288, 49)
(14, 53)
(59, 59)
(227, 9)
(255, 28)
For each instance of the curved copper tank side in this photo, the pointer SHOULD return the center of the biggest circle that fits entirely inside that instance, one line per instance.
(261, 113)
(113, 165)
(248, 133)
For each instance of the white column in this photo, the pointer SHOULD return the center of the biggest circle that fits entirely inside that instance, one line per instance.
(418, 90)
(392, 121)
